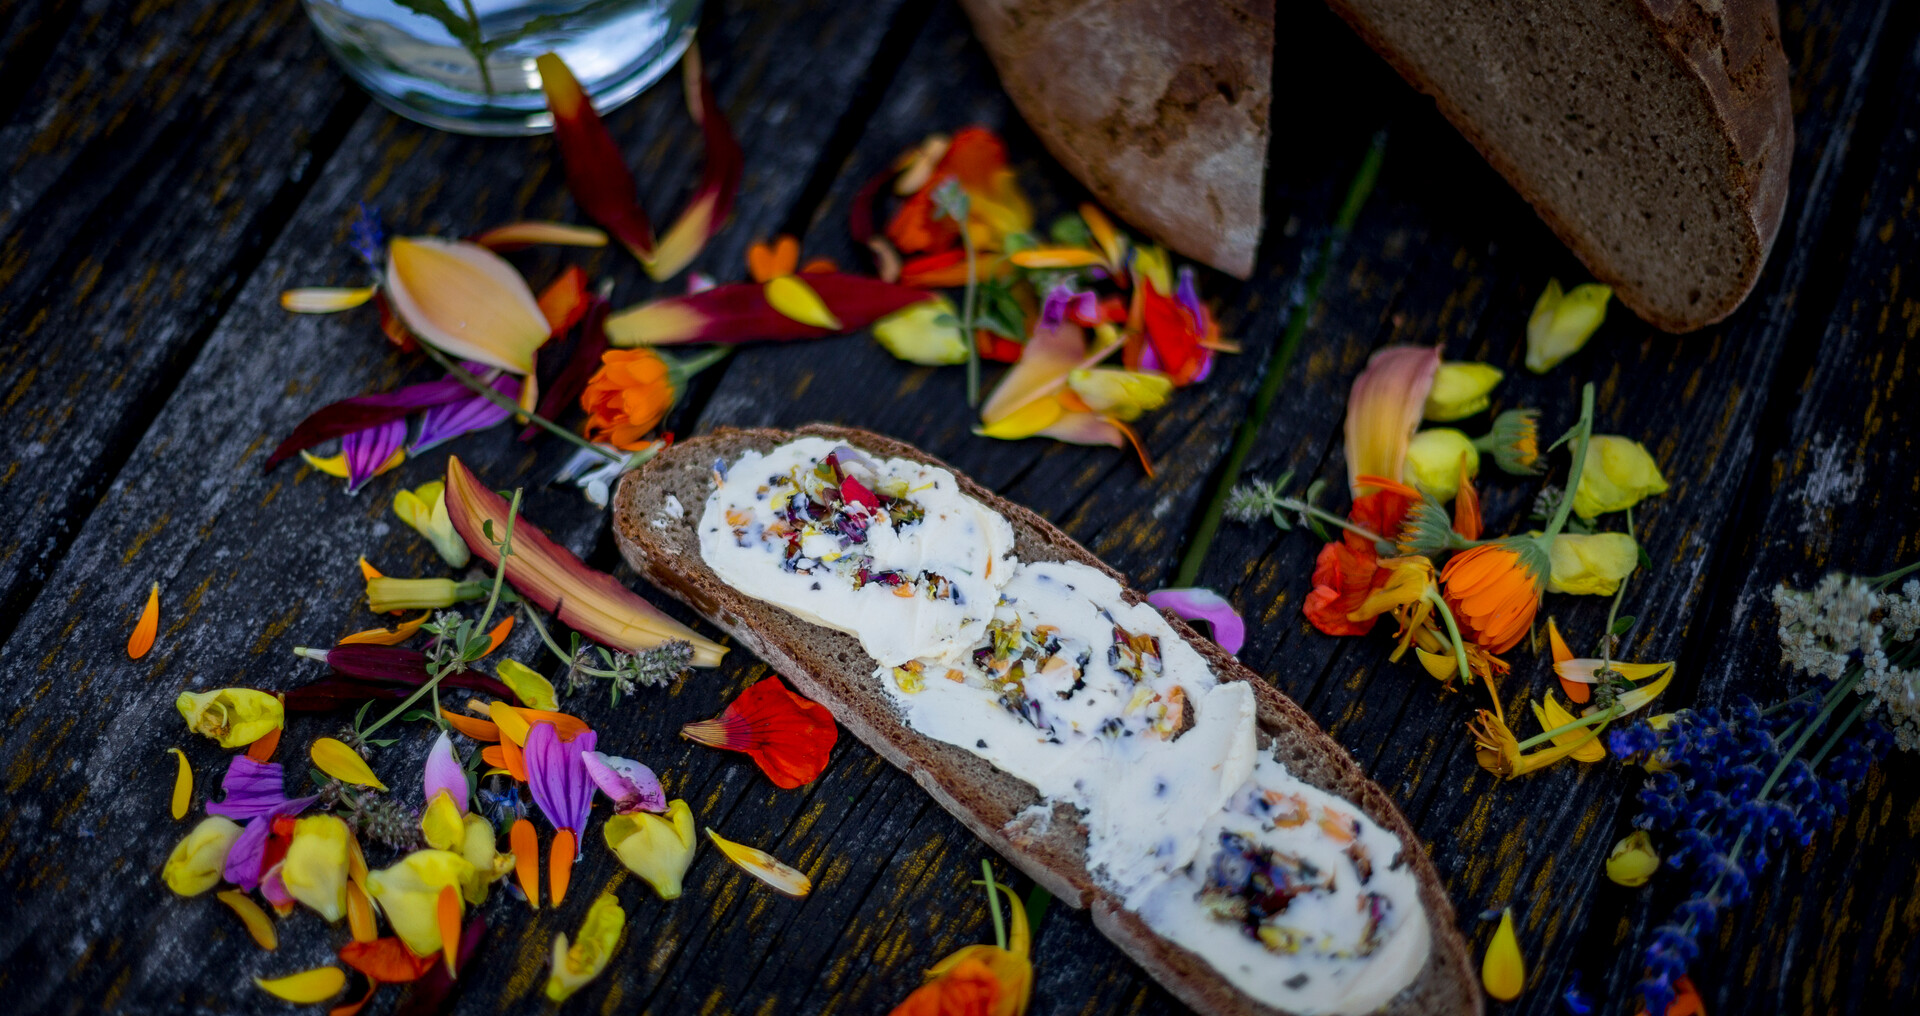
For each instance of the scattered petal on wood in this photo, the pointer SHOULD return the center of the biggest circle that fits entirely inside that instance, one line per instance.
(763, 866)
(324, 300)
(518, 235)
(259, 925)
(147, 627)
(525, 843)
(341, 762)
(307, 986)
(387, 636)
(182, 786)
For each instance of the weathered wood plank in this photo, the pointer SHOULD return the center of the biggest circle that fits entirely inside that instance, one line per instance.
(252, 565)
(150, 155)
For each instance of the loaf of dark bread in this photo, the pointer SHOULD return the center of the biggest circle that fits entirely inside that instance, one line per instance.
(662, 543)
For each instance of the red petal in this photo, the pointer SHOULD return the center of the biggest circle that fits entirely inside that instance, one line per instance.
(564, 301)
(596, 171)
(1381, 511)
(1173, 334)
(740, 313)
(933, 271)
(1342, 577)
(788, 736)
(852, 490)
(385, 961)
(997, 348)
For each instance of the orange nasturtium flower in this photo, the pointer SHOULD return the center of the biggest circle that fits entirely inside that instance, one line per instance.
(979, 980)
(788, 736)
(627, 397)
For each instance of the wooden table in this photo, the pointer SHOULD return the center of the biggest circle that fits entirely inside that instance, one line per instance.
(170, 167)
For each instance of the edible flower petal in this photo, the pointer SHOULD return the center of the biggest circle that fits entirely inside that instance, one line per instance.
(199, 859)
(465, 300)
(182, 786)
(982, 979)
(324, 299)
(516, 235)
(788, 736)
(258, 924)
(582, 361)
(558, 778)
(1494, 590)
(1460, 389)
(385, 961)
(1437, 457)
(1593, 564)
(147, 627)
(445, 422)
(577, 963)
(338, 419)
(481, 847)
(657, 848)
(1383, 410)
(1051, 355)
(315, 869)
(1343, 577)
(1502, 971)
(1619, 473)
(1577, 691)
(306, 987)
(1562, 322)
(588, 601)
(597, 173)
(1200, 604)
(372, 451)
(388, 594)
(525, 842)
(425, 510)
(628, 784)
(235, 717)
(1122, 394)
(389, 636)
(1552, 715)
(1633, 860)
(628, 397)
(712, 202)
(739, 312)
(763, 866)
(338, 760)
(409, 894)
(926, 333)
(442, 826)
(529, 684)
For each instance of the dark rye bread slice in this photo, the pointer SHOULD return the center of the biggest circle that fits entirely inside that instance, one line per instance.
(1653, 136)
(831, 668)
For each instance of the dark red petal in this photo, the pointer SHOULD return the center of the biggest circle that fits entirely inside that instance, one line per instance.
(429, 994)
(739, 312)
(582, 361)
(596, 170)
(363, 411)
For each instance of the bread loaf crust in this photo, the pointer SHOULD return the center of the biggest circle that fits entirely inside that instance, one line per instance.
(1160, 108)
(830, 667)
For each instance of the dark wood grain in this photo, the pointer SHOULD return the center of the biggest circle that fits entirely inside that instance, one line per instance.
(175, 165)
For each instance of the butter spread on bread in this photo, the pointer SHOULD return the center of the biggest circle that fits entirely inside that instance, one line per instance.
(1047, 672)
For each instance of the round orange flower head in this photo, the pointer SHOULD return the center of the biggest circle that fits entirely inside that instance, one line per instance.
(628, 397)
(1494, 590)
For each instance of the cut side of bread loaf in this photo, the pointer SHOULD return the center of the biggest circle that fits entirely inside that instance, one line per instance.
(656, 512)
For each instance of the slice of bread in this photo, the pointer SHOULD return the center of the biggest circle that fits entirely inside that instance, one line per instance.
(1159, 108)
(1653, 136)
(659, 538)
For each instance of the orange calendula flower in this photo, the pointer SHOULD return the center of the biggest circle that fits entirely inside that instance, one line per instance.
(627, 397)
(148, 626)
(1494, 590)
(980, 980)
(789, 737)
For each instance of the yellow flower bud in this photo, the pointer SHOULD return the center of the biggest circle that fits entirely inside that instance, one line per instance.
(1433, 461)
(199, 858)
(658, 848)
(576, 964)
(1562, 322)
(1617, 475)
(1593, 565)
(388, 594)
(235, 717)
(315, 871)
(1111, 391)
(1461, 389)
(1633, 860)
(409, 894)
(425, 509)
(926, 333)
(532, 687)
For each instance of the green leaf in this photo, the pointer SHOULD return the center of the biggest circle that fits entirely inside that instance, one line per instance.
(1070, 231)
(420, 714)
(1646, 562)
(486, 527)
(1624, 624)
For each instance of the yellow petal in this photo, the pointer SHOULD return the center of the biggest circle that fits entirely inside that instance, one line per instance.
(360, 914)
(324, 300)
(466, 301)
(387, 636)
(1434, 457)
(182, 786)
(576, 964)
(657, 848)
(1125, 394)
(259, 925)
(341, 762)
(1619, 473)
(235, 717)
(1633, 860)
(926, 333)
(763, 866)
(199, 859)
(513, 726)
(1111, 240)
(147, 627)
(1057, 257)
(408, 892)
(1591, 564)
(1460, 390)
(797, 300)
(332, 465)
(1440, 665)
(1646, 693)
(558, 234)
(1552, 715)
(1026, 421)
(315, 869)
(532, 687)
(307, 986)
(425, 510)
(442, 825)
(1049, 357)
(1503, 971)
(1562, 322)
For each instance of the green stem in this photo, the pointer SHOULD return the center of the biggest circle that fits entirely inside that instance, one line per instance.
(1839, 731)
(500, 568)
(1840, 690)
(479, 49)
(1606, 637)
(1277, 363)
(1604, 716)
(485, 391)
(1583, 431)
(540, 628)
(1453, 632)
(993, 904)
(1324, 516)
(1883, 581)
(966, 327)
(679, 371)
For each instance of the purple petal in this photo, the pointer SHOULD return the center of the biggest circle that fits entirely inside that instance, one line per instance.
(1198, 604)
(341, 418)
(243, 860)
(445, 422)
(1187, 295)
(274, 889)
(443, 772)
(252, 789)
(631, 786)
(368, 450)
(1063, 298)
(558, 778)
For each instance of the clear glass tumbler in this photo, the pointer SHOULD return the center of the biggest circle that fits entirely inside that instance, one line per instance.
(468, 65)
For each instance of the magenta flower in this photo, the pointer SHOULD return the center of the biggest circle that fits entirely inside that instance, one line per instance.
(558, 778)
(443, 772)
(631, 786)
(1198, 604)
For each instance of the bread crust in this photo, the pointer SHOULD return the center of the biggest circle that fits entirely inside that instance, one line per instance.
(1731, 51)
(1163, 113)
(830, 667)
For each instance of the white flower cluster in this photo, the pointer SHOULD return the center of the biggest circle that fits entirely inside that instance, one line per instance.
(1821, 629)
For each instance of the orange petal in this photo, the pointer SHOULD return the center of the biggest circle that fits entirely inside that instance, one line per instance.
(1050, 356)
(565, 300)
(360, 914)
(465, 300)
(447, 910)
(1057, 257)
(368, 571)
(516, 235)
(262, 750)
(560, 865)
(386, 636)
(353, 1008)
(479, 730)
(770, 261)
(499, 634)
(259, 925)
(506, 755)
(1575, 690)
(525, 844)
(148, 626)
